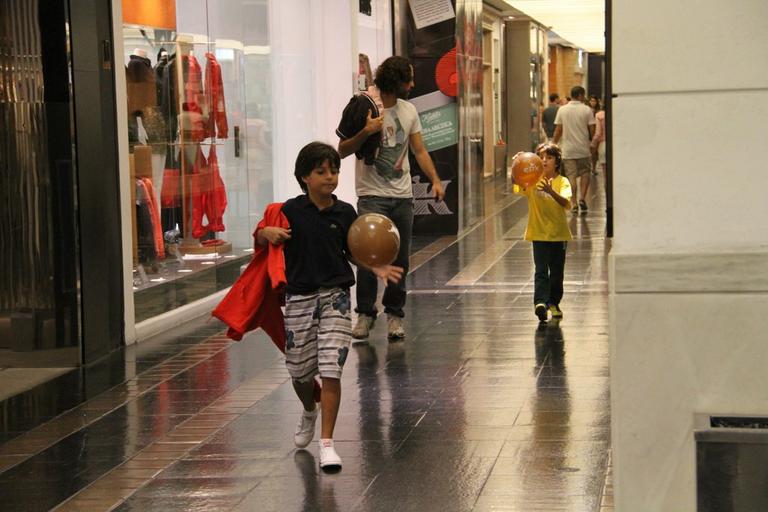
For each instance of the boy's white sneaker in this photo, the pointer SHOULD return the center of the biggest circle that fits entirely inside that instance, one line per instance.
(305, 430)
(363, 327)
(395, 328)
(329, 459)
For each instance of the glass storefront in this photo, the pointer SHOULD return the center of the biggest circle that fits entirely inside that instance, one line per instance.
(199, 98)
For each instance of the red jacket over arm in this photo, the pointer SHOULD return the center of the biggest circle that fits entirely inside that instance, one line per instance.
(255, 298)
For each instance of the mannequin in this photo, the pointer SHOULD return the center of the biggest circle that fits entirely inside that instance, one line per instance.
(140, 82)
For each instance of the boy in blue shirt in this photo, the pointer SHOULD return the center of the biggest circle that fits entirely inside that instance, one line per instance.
(318, 322)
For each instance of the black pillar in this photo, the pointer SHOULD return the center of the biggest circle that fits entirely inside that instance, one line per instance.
(101, 261)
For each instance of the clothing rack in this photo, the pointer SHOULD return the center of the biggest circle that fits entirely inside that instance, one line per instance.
(190, 244)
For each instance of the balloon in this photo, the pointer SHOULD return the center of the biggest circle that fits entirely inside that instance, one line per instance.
(527, 168)
(373, 240)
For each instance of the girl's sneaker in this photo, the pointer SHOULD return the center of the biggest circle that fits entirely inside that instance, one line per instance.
(555, 310)
(541, 311)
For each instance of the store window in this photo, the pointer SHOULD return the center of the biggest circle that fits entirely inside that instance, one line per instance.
(199, 116)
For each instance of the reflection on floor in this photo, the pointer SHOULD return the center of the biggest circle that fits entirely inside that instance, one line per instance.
(17, 380)
(479, 408)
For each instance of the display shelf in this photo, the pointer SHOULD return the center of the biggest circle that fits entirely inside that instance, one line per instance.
(197, 248)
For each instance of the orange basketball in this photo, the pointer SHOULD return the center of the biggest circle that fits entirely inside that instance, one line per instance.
(373, 240)
(527, 168)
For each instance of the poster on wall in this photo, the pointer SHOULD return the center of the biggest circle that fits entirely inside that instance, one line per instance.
(431, 48)
(438, 115)
(429, 12)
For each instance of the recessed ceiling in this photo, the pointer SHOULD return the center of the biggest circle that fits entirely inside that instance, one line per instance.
(582, 22)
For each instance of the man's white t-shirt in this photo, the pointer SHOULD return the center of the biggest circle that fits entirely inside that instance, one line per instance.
(390, 175)
(575, 118)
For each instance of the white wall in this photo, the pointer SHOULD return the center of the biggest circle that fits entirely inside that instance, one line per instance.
(374, 33)
(688, 333)
(292, 37)
(314, 58)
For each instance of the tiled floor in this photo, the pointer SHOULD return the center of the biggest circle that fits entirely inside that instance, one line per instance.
(480, 408)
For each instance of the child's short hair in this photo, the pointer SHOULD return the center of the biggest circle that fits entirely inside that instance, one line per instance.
(554, 151)
(312, 156)
(391, 73)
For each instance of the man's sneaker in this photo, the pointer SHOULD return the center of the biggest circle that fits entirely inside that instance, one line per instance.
(554, 309)
(395, 327)
(541, 311)
(363, 327)
(305, 430)
(329, 459)
(583, 205)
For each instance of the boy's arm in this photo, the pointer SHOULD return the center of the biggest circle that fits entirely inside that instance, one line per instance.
(351, 145)
(546, 186)
(385, 272)
(272, 235)
(426, 164)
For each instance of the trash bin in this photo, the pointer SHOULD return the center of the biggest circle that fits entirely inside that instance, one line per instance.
(731, 463)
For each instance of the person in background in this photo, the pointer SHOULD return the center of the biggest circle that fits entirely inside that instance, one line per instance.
(594, 103)
(598, 141)
(549, 114)
(384, 185)
(575, 126)
(596, 106)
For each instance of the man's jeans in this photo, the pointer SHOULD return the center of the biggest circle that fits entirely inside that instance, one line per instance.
(400, 212)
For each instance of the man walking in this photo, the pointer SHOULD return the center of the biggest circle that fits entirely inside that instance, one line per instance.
(383, 180)
(575, 125)
(548, 116)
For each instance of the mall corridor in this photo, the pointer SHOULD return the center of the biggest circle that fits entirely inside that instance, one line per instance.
(480, 408)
